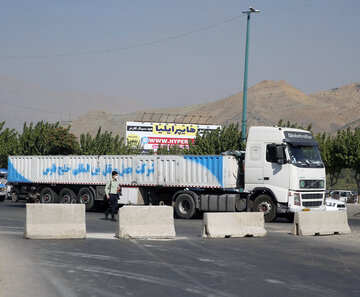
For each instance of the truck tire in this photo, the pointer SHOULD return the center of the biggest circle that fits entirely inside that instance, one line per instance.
(185, 207)
(14, 196)
(67, 196)
(48, 195)
(263, 203)
(86, 197)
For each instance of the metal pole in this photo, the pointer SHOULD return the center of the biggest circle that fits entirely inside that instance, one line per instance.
(244, 110)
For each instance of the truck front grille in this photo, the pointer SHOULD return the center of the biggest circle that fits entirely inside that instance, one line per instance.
(312, 184)
(312, 196)
(312, 203)
(312, 199)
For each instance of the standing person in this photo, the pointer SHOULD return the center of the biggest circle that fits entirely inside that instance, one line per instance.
(111, 191)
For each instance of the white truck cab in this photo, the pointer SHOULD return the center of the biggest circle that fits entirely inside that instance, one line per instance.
(284, 171)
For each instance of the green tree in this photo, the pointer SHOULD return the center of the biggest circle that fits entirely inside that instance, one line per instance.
(106, 144)
(171, 150)
(9, 144)
(217, 141)
(62, 142)
(34, 139)
(45, 138)
(353, 153)
(332, 155)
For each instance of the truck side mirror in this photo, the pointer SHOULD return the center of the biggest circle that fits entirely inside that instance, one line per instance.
(280, 154)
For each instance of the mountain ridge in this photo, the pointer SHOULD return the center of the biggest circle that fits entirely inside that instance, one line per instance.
(268, 102)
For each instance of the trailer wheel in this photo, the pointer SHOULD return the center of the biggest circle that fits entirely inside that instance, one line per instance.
(48, 195)
(86, 197)
(14, 196)
(66, 196)
(185, 207)
(263, 203)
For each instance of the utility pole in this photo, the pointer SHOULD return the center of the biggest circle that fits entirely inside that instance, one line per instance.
(244, 110)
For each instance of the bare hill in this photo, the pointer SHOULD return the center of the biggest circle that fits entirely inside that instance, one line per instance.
(268, 102)
(340, 106)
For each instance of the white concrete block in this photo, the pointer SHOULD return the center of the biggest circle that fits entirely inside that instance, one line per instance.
(320, 223)
(146, 222)
(55, 221)
(233, 224)
(353, 210)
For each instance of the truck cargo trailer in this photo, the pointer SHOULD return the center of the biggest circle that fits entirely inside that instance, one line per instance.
(150, 179)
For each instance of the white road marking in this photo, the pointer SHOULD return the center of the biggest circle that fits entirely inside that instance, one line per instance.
(206, 260)
(274, 281)
(101, 236)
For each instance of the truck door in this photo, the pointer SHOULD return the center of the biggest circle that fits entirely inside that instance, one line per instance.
(276, 176)
(254, 165)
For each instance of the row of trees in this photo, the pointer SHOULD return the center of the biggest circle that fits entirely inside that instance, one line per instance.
(51, 139)
(338, 151)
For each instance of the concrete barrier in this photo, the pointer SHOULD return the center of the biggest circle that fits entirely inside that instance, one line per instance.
(232, 224)
(146, 222)
(320, 223)
(55, 221)
(353, 210)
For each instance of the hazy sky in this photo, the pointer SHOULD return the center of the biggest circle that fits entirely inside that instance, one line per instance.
(312, 44)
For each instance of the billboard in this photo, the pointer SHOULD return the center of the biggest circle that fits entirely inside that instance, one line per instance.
(152, 135)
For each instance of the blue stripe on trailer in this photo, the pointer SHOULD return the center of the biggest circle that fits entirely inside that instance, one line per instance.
(14, 175)
(213, 163)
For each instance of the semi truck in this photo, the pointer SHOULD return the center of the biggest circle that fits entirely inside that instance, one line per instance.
(280, 172)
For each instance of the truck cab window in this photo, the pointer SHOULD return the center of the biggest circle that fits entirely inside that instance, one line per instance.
(305, 156)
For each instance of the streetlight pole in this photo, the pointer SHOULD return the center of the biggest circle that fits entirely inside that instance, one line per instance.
(244, 110)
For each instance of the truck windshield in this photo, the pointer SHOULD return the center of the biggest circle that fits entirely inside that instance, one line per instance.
(305, 156)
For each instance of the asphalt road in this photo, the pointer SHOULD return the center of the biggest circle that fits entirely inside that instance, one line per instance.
(276, 265)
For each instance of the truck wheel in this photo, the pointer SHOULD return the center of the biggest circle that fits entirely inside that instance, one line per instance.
(240, 204)
(48, 195)
(185, 207)
(14, 196)
(263, 203)
(67, 196)
(86, 197)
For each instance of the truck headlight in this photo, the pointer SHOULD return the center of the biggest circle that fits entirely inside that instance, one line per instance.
(297, 200)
